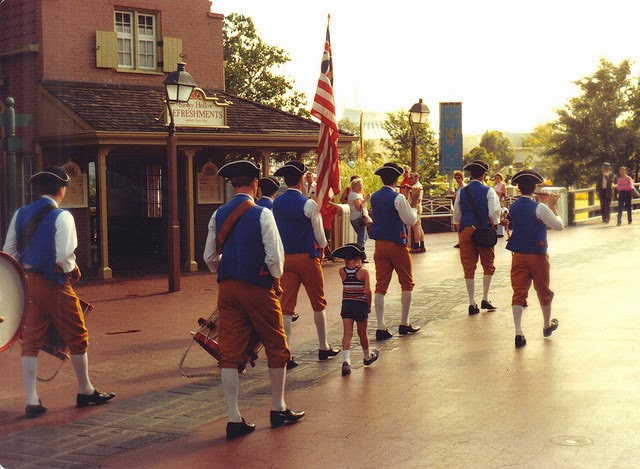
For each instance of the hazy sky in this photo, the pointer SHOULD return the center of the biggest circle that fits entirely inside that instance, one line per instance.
(510, 63)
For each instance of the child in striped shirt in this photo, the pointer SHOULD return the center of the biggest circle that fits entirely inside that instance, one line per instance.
(356, 303)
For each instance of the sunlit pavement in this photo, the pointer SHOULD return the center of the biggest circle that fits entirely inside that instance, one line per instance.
(456, 394)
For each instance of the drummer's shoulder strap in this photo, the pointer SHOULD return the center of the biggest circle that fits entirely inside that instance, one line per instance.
(229, 223)
(30, 228)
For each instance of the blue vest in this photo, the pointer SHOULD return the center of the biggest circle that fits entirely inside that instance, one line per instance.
(295, 228)
(387, 224)
(479, 196)
(529, 233)
(40, 252)
(266, 202)
(243, 251)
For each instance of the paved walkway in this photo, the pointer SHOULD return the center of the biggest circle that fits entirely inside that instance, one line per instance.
(457, 394)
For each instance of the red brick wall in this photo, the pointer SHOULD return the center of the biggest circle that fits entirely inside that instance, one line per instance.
(69, 39)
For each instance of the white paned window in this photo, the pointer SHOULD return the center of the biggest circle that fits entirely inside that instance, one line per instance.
(124, 32)
(154, 191)
(146, 42)
(136, 41)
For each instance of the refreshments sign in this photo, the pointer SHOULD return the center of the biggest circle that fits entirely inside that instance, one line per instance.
(200, 111)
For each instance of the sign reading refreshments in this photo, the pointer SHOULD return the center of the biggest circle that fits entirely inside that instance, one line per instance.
(200, 111)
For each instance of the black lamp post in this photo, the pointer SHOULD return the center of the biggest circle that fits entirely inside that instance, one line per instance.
(178, 87)
(418, 114)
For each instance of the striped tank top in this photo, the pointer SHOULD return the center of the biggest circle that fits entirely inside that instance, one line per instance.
(352, 288)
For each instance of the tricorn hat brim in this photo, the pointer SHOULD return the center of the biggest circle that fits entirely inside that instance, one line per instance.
(349, 251)
(527, 175)
(239, 168)
(389, 169)
(52, 174)
(477, 164)
(291, 167)
(268, 184)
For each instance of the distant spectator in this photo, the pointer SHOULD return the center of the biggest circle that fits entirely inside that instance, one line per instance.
(309, 186)
(415, 200)
(604, 188)
(358, 211)
(625, 192)
(501, 190)
(344, 197)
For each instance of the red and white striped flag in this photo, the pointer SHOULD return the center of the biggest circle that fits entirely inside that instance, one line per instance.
(328, 181)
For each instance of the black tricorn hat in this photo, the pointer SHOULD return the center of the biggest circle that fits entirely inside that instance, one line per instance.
(291, 167)
(527, 175)
(52, 174)
(390, 169)
(350, 250)
(268, 185)
(239, 168)
(479, 164)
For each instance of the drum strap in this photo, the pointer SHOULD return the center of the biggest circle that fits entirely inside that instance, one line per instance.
(230, 222)
(25, 235)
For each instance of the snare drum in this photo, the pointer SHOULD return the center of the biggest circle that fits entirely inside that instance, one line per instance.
(14, 295)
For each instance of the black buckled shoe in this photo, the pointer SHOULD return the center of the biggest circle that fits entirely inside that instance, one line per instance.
(235, 429)
(33, 411)
(285, 417)
(404, 330)
(326, 354)
(291, 363)
(549, 330)
(473, 309)
(383, 334)
(97, 398)
(520, 341)
(486, 305)
(295, 317)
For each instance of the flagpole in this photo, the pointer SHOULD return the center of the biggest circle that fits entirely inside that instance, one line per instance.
(361, 135)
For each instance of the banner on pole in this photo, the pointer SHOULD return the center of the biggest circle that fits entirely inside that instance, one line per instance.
(450, 137)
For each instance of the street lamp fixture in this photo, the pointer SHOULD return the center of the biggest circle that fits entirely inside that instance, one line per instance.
(418, 115)
(178, 87)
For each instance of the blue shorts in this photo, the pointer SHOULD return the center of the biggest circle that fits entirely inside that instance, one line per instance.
(356, 310)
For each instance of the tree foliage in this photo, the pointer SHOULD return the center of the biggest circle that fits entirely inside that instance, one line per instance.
(601, 124)
(494, 149)
(251, 68)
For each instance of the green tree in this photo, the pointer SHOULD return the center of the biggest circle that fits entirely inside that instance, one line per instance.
(251, 68)
(399, 145)
(537, 146)
(601, 124)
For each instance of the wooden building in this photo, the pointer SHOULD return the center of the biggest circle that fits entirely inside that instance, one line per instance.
(87, 79)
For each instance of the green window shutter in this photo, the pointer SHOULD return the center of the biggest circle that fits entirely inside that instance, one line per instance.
(171, 53)
(106, 49)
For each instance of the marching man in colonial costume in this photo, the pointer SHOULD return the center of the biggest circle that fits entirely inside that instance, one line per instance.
(528, 242)
(43, 239)
(478, 198)
(268, 186)
(392, 214)
(300, 226)
(244, 247)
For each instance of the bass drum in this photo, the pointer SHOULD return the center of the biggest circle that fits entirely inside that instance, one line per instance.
(14, 296)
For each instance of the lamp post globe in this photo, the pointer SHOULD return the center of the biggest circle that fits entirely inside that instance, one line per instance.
(418, 115)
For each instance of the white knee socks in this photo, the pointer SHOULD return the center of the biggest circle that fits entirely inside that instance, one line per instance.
(81, 367)
(546, 314)
(405, 300)
(517, 318)
(320, 319)
(30, 376)
(470, 290)
(278, 377)
(486, 283)
(230, 384)
(379, 306)
(287, 320)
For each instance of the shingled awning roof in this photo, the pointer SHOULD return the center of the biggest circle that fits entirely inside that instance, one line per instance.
(112, 109)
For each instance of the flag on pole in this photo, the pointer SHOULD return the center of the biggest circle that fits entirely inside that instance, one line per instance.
(328, 168)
